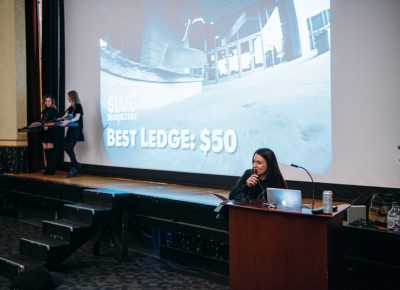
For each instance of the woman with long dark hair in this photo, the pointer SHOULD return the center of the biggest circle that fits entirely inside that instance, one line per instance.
(254, 182)
(48, 134)
(75, 133)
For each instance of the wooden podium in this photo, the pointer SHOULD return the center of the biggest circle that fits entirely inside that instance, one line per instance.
(277, 249)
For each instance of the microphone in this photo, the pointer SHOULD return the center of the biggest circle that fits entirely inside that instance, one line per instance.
(262, 187)
(312, 182)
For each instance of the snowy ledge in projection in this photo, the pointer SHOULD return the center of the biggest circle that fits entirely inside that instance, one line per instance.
(158, 119)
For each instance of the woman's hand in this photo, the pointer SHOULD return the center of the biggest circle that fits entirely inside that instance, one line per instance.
(252, 180)
(65, 123)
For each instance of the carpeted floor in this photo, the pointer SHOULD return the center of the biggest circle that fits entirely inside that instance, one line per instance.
(83, 270)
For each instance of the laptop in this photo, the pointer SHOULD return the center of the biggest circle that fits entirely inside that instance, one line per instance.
(284, 198)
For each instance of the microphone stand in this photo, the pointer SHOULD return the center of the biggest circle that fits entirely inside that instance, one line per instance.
(312, 182)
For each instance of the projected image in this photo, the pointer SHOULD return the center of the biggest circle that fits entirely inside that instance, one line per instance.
(198, 86)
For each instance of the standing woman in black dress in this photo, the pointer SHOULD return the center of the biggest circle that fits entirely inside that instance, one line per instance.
(74, 134)
(48, 135)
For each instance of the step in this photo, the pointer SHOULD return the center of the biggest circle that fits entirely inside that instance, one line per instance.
(66, 230)
(14, 264)
(106, 197)
(44, 249)
(87, 213)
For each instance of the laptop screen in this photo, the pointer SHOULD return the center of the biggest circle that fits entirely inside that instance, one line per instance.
(286, 198)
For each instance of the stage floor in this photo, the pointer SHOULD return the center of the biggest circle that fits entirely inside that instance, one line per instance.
(199, 195)
(184, 193)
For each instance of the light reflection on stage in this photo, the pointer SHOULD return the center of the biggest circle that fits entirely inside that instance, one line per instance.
(184, 193)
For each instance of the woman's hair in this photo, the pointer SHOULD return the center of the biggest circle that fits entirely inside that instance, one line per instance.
(53, 102)
(273, 175)
(73, 95)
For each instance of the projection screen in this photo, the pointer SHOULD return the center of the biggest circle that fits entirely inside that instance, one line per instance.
(198, 85)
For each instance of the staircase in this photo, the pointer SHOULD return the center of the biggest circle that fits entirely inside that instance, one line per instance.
(100, 209)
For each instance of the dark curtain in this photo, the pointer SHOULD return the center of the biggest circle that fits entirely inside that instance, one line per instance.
(53, 59)
(35, 154)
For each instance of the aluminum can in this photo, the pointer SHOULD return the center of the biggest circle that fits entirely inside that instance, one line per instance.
(327, 201)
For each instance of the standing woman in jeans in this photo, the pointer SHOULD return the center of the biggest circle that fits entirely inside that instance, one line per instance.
(74, 133)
